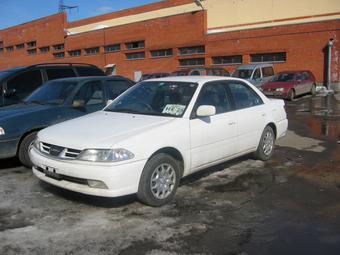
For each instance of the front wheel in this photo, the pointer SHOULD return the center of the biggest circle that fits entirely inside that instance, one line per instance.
(23, 149)
(159, 180)
(266, 146)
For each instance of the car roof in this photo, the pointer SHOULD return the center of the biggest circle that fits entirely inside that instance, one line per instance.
(297, 71)
(252, 66)
(193, 78)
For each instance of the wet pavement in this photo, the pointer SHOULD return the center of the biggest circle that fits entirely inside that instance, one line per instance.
(288, 205)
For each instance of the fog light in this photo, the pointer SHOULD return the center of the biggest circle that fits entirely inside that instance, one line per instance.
(96, 184)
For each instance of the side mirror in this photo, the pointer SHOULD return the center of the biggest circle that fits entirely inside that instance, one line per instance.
(206, 111)
(108, 102)
(9, 92)
(78, 103)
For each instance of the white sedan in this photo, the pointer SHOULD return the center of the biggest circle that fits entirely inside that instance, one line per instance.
(157, 132)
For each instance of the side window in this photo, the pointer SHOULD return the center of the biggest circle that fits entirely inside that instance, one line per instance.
(298, 77)
(305, 76)
(214, 94)
(23, 84)
(267, 71)
(58, 73)
(196, 72)
(257, 74)
(116, 87)
(89, 71)
(91, 93)
(243, 95)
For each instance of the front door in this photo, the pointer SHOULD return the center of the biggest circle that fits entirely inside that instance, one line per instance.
(212, 138)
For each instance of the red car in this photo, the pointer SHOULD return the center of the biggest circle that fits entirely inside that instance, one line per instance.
(290, 84)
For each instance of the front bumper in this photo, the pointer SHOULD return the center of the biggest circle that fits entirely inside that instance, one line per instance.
(120, 179)
(280, 94)
(8, 148)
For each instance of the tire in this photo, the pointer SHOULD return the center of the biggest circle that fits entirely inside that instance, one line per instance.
(266, 146)
(291, 95)
(313, 90)
(149, 190)
(23, 149)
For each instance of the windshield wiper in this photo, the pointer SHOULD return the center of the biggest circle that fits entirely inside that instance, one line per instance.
(125, 110)
(36, 102)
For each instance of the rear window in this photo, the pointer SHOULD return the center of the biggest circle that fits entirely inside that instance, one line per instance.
(89, 71)
(58, 73)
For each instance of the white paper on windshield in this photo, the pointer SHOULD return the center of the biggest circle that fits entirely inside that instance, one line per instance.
(174, 109)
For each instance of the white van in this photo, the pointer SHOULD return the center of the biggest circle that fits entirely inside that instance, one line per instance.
(257, 74)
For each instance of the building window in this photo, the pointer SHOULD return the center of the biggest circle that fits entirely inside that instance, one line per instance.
(10, 48)
(161, 53)
(74, 53)
(191, 50)
(1, 50)
(59, 55)
(112, 48)
(32, 52)
(192, 62)
(227, 60)
(58, 47)
(268, 57)
(20, 46)
(92, 51)
(31, 44)
(135, 55)
(135, 45)
(45, 49)
(1, 44)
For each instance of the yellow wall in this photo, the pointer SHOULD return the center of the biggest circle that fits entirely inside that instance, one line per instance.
(242, 14)
(231, 15)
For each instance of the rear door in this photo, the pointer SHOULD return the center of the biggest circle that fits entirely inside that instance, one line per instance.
(251, 115)
(267, 74)
(212, 138)
(22, 85)
(299, 84)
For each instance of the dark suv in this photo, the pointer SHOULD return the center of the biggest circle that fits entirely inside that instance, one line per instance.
(17, 83)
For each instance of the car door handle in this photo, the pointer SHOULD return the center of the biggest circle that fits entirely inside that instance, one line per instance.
(231, 123)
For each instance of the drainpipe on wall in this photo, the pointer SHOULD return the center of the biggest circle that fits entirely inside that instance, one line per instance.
(330, 45)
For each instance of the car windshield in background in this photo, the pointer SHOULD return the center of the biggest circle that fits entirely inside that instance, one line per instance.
(155, 98)
(284, 77)
(243, 73)
(52, 92)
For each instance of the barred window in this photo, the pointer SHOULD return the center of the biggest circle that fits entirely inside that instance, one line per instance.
(112, 48)
(268, 57)
(31, 44)
(45, 49)
(10, 48)
(135, 55)
(192, 50)
(161, 53)
(32, 52)
(135, 45)
(20, 46)
(92, 51)
(74, 53)
(58, 47)
(59, 55)
(192, 62)
(227, 60)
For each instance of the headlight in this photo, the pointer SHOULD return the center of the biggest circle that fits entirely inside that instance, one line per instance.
(2, 131)
(279, 89)
(105, 155)
(36, 144)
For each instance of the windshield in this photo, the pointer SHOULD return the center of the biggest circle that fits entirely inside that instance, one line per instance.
(4, 74)
(52, 92)
(243, 73)
(284, 77)
(155, 98)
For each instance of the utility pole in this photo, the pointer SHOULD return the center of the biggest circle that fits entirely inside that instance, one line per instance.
(62, 7)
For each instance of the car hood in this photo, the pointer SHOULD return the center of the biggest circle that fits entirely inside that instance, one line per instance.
(273, 85)
(100, 129)
(14, 111)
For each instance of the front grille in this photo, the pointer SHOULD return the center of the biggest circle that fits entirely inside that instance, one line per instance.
(58, 151)
(61, 177)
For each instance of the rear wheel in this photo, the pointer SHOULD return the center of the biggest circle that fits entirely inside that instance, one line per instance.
(23, 149)
(291, 95)
(266, 146)
(159, 180)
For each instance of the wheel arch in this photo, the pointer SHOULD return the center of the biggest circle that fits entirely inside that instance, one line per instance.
(173, 152)
(273, 126)
(26, 134)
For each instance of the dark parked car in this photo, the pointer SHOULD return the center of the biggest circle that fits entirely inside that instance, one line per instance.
(181, 72)
(148, 76)
(54, 102)
(19, 82)
(213, 71)
(290, 84)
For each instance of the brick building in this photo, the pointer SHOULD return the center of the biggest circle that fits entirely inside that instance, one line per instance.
(173, 34)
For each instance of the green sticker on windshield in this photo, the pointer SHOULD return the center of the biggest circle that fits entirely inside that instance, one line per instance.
(174, 109)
